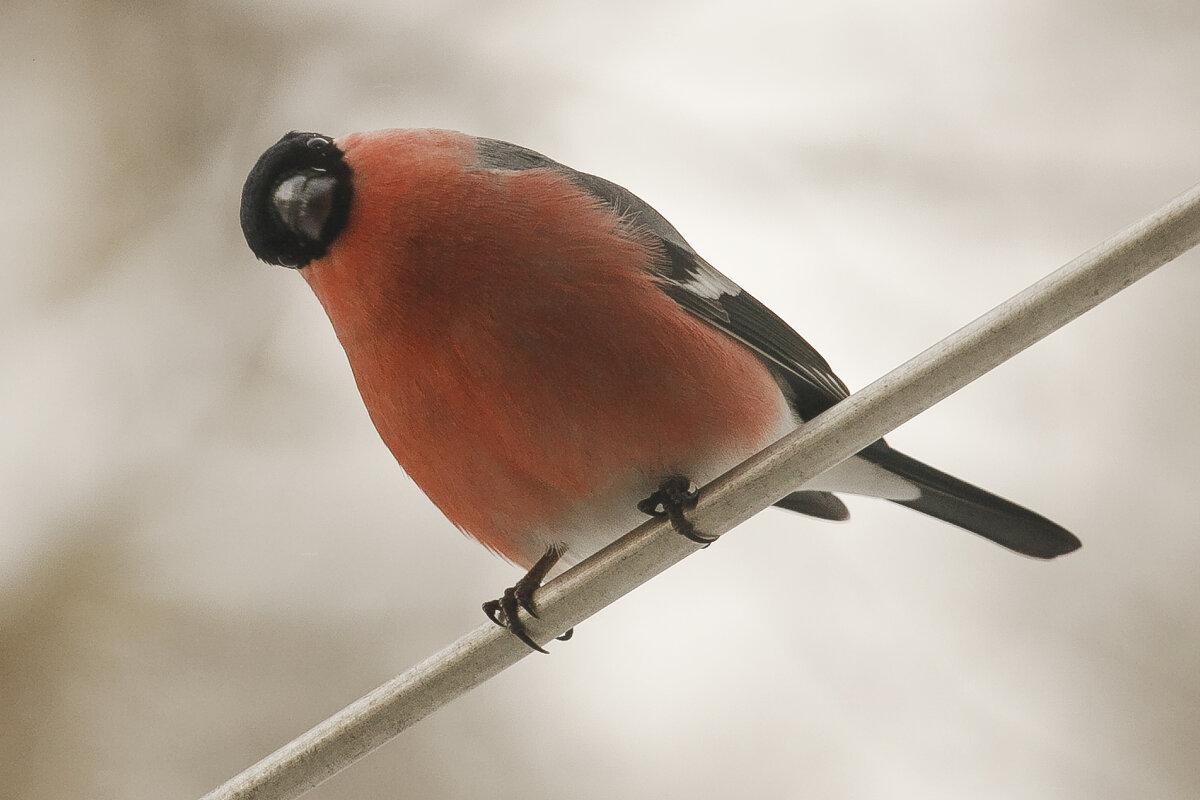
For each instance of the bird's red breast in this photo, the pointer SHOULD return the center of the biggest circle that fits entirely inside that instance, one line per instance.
(513, 349)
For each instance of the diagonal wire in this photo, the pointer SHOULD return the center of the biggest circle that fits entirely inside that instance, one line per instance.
(730, 500)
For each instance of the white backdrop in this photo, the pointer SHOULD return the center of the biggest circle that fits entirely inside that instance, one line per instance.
(204, 549)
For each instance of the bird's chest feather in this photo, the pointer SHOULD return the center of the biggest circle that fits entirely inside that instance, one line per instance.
(526, 377)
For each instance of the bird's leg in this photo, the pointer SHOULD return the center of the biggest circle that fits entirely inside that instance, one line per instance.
(673, 498)
(504, 612)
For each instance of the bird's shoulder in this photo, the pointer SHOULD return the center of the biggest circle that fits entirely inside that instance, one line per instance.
(695, 285)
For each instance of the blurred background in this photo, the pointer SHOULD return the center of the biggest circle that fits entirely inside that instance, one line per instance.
(205, 550)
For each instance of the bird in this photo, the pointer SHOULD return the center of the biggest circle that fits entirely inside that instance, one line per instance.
(547, 357)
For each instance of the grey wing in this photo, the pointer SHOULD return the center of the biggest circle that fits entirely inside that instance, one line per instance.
(698, 287)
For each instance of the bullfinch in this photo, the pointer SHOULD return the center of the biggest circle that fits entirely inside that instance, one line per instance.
(548, 358)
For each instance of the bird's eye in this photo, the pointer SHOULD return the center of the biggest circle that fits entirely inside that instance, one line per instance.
(317, 143)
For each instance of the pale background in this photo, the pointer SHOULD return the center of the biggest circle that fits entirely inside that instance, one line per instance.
(204, 549)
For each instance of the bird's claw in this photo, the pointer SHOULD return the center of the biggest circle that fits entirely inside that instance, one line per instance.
(673, 498)
(505, 612)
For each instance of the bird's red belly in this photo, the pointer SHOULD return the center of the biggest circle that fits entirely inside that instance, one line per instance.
(528, 369)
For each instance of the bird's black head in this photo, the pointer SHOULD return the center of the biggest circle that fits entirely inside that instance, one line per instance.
(296, 200)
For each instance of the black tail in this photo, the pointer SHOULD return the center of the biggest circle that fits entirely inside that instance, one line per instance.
(959, 503)
(822, 505)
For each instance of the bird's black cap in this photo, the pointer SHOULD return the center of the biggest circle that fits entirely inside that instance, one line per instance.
(296, 200)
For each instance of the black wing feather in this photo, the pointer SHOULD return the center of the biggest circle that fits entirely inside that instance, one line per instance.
(698, 287)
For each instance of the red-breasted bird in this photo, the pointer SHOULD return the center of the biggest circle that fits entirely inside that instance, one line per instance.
(547, 357)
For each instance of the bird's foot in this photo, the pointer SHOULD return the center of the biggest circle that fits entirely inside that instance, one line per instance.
(673, 498)
(505, 611)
